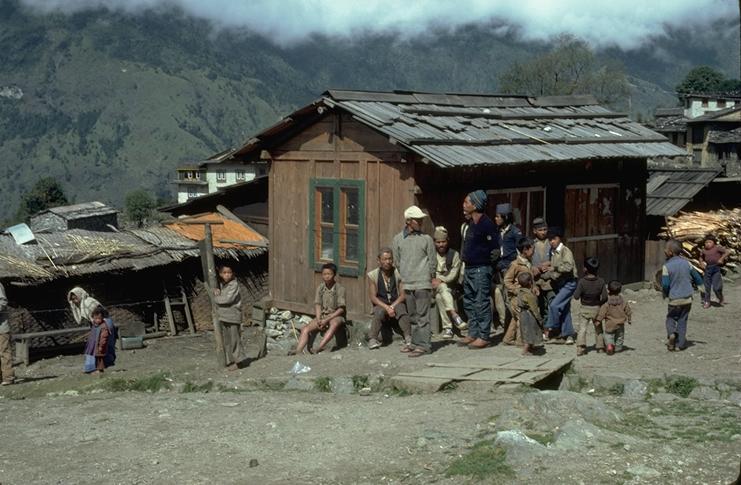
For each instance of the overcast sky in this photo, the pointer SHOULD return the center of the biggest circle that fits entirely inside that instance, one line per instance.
(625, 23)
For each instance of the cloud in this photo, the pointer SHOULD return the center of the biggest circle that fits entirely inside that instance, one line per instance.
(625, 23)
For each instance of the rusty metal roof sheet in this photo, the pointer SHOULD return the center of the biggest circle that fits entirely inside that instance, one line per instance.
(669, 189)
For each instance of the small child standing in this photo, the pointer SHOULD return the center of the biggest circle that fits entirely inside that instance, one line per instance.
(100, 350)
(229, 303)
(592, 291)
(615, 313)
(713, 257)
(530, 320)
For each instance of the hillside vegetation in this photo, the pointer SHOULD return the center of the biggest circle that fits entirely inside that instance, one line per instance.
(108, 102)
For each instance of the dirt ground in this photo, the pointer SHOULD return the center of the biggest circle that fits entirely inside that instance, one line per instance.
(65, 427)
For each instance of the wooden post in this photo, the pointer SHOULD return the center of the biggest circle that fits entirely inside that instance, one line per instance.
(209, 277)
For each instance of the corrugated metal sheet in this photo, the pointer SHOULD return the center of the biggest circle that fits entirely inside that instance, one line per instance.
(555, 132)
(669, 190)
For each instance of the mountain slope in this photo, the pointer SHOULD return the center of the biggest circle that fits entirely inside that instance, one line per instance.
(113, 102)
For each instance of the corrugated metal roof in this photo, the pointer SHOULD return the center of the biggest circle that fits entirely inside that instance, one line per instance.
(454, 129)
(725, 136)
(669, 190)
(78, 211)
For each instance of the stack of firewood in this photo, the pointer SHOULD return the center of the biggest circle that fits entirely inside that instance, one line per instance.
(691, 228)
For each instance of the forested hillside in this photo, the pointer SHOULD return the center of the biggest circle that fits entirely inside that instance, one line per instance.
(110, 102)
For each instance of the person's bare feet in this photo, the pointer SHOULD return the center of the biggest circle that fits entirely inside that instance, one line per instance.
(232, 367)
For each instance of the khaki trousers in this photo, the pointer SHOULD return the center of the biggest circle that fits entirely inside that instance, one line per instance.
(587, 314)
(445, 303)
(6, 358)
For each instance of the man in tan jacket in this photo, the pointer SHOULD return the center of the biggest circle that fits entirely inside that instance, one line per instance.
(447, 275)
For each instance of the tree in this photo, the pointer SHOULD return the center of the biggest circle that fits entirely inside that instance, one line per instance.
(139, 206)
(45, 193)
(702, 79)
(569, 68)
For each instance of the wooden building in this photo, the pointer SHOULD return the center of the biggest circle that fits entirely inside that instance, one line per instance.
(344, 168)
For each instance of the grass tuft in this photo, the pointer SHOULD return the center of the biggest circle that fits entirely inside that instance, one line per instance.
(151, 383)
(192, 387)
(485, 460)
(323, 384)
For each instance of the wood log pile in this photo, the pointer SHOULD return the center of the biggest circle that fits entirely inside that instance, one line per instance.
(691, 228)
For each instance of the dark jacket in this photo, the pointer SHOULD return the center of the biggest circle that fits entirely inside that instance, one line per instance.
(509, 247)
(481, 239)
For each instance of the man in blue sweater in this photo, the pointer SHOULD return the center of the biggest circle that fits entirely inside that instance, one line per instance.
(677, 280)
(481, 243)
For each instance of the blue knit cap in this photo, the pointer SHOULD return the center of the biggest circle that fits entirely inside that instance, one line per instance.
(478, 199)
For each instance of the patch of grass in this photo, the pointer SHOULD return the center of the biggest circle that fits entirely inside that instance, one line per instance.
(616, 389)
(450, 386)
(681, 385)
(399, 392)
(544, 439)
(654, 386)
(151, 383)
(323, 384)
(192, 387)
(485, 460)
(359, 382)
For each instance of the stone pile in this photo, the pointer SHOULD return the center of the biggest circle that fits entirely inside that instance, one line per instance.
(282, 329)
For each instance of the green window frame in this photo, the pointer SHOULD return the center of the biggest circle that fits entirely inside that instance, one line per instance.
(337, 225)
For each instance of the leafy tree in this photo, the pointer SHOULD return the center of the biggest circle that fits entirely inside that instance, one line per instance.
(139, 206)
(702, 79)
(569, 68)
(45, 193)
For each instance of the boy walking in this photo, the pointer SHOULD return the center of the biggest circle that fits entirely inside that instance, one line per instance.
(615, 313)
(592, 291)
(712, 258)
(677, 279)
(6, 356)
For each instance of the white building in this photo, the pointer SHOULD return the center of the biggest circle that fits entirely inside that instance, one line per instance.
(211, 175)
(696, 105)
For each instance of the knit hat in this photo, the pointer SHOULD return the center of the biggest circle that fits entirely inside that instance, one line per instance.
(414, 212)
(555, 232)
(478, 199)
(505, 208)
(539, 223)
(441, 234)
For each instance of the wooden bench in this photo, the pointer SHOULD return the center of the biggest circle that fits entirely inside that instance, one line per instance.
(23, 340)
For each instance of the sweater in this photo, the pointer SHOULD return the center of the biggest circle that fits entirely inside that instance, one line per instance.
(615, 313)
(591, 290)
(229, 303)
(415, 257)
(481, 239)
(677, 278)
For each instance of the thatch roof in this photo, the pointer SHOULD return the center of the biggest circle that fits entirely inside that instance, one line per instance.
(80, 252)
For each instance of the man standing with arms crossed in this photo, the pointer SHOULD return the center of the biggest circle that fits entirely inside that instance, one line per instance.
(481, 244)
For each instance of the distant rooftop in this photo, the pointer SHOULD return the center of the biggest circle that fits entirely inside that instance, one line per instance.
(79, 211)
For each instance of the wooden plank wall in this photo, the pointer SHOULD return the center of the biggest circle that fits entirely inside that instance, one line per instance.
(334, 147)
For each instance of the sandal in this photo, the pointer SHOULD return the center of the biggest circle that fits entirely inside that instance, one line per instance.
(418, 353)
(406, 348)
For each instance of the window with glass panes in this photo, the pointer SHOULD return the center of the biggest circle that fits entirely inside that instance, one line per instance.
(337, 224)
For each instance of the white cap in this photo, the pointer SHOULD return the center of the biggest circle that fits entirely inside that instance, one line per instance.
(414, 212)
